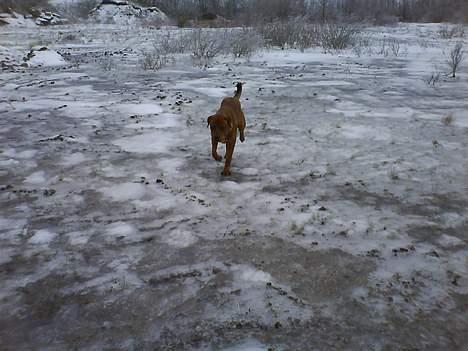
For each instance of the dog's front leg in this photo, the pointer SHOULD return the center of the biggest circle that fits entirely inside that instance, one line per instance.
(229, 151)
(214, 148)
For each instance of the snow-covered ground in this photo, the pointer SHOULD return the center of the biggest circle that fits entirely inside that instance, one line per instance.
(343, 226)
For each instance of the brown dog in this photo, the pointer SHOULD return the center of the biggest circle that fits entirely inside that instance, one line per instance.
(224, 125)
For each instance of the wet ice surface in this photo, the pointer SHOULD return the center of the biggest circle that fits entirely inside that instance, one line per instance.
(343, 225)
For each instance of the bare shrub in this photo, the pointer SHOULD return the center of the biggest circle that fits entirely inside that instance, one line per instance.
(449, 31)
(363, 46)
(244, 42)
(298, 33)
(391, 47)
(455, 57)
(107, 63)
(171, 42)
(448, 120)
(278, 33)
(206, 44)
(338, 36)
(436, 74)
(154, 59)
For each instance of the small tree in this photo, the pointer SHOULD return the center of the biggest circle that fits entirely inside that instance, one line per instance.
(455, 58)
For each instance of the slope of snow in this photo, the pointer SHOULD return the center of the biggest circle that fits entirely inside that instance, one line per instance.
(46, 58)
(128, 14)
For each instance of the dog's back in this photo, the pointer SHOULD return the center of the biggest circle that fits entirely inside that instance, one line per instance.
(230, 104)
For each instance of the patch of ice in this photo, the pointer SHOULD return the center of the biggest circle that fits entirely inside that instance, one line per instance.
(25, 154)
(8, 162)
(138, 109)
(364, 132)
(249, 171)
(181, 239)
(167, 120)
(151, 142)
(42, 236)
(120, 229)
(74, 159)
(5, 255)
(452, 220)
(249, 345)
(124, 191)
(449, 241)
(250, 274)
(36, 178)
(77, 238)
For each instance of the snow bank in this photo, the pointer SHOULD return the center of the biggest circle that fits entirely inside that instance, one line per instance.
(125, 13)
(45, 58)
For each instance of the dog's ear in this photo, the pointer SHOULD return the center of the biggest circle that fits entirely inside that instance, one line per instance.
(209, 121)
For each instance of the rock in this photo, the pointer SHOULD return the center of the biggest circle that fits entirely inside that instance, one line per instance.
(49, 19)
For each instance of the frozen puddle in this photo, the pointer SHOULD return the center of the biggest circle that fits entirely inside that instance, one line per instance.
(138, 108)
(249, 345)
(151, 142)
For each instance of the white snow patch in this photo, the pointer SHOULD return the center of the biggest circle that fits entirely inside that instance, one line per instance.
(42, 236)
(17, 20)
(47, 58)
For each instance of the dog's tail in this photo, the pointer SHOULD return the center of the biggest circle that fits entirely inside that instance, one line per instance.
(238, 91)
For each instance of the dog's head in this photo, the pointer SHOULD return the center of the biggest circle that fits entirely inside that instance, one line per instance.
(220, 128)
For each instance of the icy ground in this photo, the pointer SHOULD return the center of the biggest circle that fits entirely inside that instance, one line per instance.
(343, 226)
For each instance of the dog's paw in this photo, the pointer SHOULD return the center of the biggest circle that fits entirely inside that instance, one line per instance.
(217, 157)
(226, 173)
(242, 139)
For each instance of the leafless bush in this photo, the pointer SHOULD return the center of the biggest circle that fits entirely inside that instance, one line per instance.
(309, 36)
(363, 46)
(338, 36)
(298, 33)
(244, 42)
(107, 63)
(448, 120)
(434, 79)
(206, 44)
(279, 33)
(154, 59)
(449, 31)
(172, 43)
(390, 46)
(455, 57)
